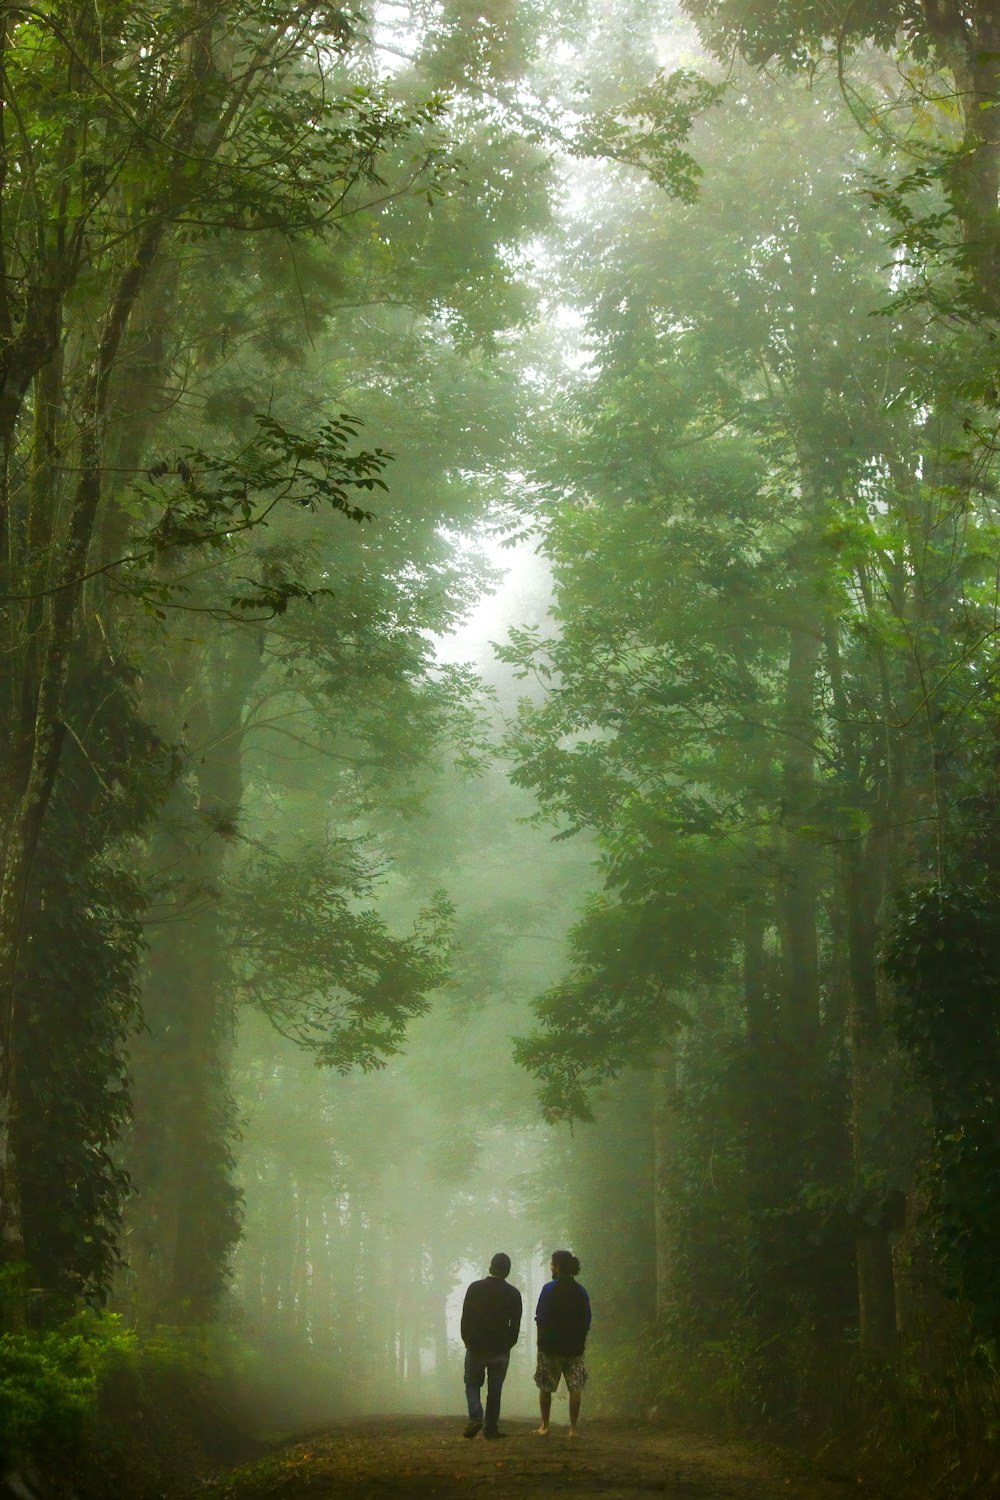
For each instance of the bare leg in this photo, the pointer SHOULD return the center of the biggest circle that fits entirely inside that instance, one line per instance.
(575, 1398)
(545, 1407)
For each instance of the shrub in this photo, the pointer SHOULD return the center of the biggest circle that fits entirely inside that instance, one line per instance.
(49, 1382)
(99, 1410)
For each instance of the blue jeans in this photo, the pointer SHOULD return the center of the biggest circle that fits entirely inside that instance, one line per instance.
(489, 1367)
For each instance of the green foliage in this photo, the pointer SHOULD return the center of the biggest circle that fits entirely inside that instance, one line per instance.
(687, 554)
(770, 519)
(250, 200)
(799, 32)
(208, 501)
(943, 956)
(948, 70)
(49, 1384)
(317, 959)
(82, 943)
(650, 131)
(93, 1408)
(759, 610)
(613, 1010)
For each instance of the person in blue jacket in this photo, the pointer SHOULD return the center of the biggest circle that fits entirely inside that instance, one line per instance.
(563, 1319)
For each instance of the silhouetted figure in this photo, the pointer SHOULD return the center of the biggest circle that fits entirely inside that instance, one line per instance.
(491, 1322)
(563, 1318)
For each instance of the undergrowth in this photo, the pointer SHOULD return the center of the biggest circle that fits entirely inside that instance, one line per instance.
(899, 1429)
(93, 1409)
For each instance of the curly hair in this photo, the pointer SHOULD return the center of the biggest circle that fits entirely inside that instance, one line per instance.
(566, 1262)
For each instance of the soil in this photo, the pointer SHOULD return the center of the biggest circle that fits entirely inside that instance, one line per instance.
(415, 1457)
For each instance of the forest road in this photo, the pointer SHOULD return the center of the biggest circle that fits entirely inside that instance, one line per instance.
(413, 1458)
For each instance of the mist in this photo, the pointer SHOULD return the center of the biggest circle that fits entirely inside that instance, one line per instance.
(499, 591)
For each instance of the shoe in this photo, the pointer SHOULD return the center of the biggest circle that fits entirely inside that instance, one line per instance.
(472, 1429)
(493, 1432)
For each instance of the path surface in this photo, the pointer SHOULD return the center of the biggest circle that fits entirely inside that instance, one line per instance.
(393, 1458)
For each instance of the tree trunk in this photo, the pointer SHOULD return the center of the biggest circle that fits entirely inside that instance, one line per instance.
(798, 892)
(665, 1153)
(182, 1159)
(756, 1003)
(863, 857)
(869, 1102)
(41, 730)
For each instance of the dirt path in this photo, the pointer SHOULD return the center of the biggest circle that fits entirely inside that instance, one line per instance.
(392, 1458)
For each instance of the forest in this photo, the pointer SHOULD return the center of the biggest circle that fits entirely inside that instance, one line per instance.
(500, 662)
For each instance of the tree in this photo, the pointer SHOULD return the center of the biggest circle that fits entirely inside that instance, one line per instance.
(131, 136)
(764, 610)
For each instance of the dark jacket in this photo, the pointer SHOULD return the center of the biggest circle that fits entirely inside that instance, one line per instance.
(491, 1316)
(563, 1317)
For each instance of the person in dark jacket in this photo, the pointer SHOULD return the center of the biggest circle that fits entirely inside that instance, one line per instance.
(491, 1322)
(563, 1318)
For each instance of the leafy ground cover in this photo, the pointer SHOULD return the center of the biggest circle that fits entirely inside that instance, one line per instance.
(92, 1410)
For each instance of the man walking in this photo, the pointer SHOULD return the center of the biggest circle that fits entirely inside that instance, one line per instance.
(563, 1318)
(491, 1322)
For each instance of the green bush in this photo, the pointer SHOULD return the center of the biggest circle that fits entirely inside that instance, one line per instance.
(49, 1383)
(102, 1410)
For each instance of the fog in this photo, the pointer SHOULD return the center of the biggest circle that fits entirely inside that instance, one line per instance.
(499, 603)
(372, 1203)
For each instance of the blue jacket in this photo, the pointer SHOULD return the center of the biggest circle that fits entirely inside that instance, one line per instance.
(563, 1317)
